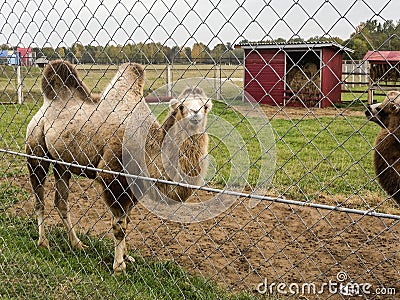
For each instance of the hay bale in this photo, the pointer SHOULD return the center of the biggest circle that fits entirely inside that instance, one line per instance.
(384, 72)
(305, 81)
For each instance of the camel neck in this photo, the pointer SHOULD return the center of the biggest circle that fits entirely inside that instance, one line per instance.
(168, 123)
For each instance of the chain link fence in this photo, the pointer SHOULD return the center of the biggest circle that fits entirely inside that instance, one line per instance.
(199, 150)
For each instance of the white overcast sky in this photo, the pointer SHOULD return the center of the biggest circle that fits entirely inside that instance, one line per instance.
(39, 23)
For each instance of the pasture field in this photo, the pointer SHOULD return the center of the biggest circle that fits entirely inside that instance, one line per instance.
(323, 156)
(334, 149)
(334, 146)
(97, 78)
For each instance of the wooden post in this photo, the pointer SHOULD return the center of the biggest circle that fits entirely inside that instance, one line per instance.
(169, 84)
(19, 84)
(219, 92)
(370, 90)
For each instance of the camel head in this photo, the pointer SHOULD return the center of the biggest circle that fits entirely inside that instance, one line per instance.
(387, 113)
(191, 108)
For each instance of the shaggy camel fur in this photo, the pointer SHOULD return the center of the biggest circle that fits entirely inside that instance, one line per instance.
(176, 150)
(77, 127)
(387, 143)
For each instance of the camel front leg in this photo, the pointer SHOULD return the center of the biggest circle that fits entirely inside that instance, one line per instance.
(62, 177)
(120, 201)
(121, 255)
(37, 176)
(119, 229)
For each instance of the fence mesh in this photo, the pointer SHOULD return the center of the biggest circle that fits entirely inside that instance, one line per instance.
(199, 149)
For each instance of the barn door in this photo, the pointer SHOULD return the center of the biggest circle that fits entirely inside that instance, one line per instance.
(264, 71)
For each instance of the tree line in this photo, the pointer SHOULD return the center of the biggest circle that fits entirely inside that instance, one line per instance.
(369, 35)
(145, 53)
(373, 35)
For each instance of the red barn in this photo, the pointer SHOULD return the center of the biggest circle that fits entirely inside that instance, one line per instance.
(26, 56)
(296, 74)
(384, 71)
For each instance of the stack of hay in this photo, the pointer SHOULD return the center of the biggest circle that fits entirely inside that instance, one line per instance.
(305, 82)
(384, 72)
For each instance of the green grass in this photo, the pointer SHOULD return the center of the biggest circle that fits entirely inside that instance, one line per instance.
(10, 195)
(328, 155)
(98, 77)
(62, 273)
(354, 94)
(13, 121)
(226, 143)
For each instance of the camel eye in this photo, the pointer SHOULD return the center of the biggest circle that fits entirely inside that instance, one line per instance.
(181, 108)
(395, 108)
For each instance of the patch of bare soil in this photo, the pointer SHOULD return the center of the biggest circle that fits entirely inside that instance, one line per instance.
(243, 246)
(289, 113)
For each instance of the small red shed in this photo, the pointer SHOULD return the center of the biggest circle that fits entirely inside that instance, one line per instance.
(295, 74)
(384, 71)
(26, 56)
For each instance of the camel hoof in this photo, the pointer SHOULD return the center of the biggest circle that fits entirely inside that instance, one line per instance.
(119, 268)
(44, 243)
(79, 246)
(129, 259)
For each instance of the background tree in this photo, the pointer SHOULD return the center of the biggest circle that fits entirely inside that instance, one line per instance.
(5, 47)
(154, 53)
(60, 52)
(219, 53)
(49, 52)
(201, 53)
(174, 53)
(185, 55)
(373, 35)
(368, 35)
(77, 51)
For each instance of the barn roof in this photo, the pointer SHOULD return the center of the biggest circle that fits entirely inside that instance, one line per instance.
(382, 56)
(291, 45)
(42, 60)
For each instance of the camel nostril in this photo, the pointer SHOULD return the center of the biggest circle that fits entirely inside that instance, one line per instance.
(195, 120)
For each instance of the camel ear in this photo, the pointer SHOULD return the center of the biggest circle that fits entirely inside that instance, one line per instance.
(208, 105)
(396, 107)
(393, 95)
(174, 103)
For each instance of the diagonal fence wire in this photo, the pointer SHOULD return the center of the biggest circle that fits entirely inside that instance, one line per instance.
(309, 221)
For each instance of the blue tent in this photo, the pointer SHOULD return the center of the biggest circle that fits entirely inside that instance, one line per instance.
(11, 56)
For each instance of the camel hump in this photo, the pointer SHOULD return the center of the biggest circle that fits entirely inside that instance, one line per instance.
(61, 80)
(134, 74)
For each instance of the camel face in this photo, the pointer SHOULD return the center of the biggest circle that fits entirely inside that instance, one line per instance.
(192, 111)
(387, 113)
(386, 149)
(380, 112)
(195, 111)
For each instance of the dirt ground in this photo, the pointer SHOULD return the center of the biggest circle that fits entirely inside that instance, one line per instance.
(243, 246)
(289, 113)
